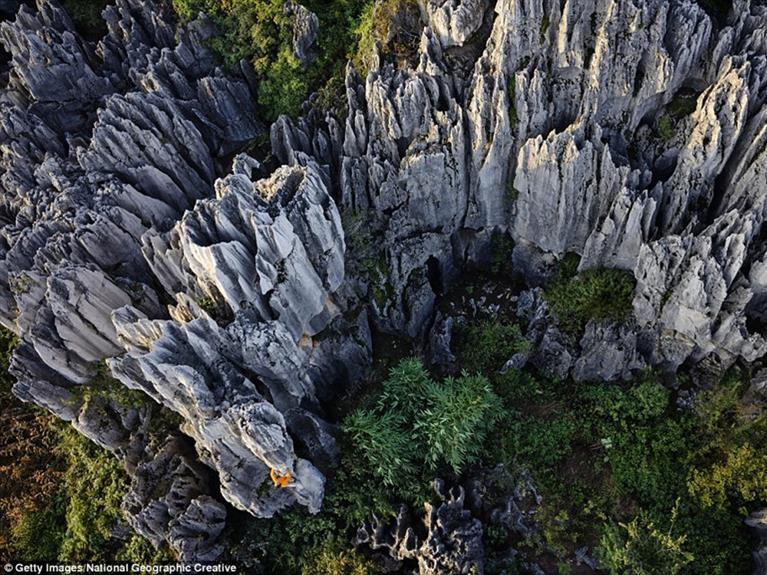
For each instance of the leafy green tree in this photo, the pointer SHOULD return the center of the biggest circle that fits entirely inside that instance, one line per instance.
(384, 444)
(455, 419)
(418, 422)
(405, 389)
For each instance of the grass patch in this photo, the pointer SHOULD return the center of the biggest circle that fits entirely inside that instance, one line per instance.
(597, 294)
(486, 346)
(60, 494)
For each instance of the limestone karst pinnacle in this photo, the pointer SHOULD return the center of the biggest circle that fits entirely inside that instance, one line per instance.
(140, 229)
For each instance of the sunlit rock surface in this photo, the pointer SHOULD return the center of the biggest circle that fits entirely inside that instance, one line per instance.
(135, 230)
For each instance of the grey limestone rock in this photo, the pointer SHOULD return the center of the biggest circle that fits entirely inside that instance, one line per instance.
(133, 230)
(552, 131)
(270, 252)
(115, 224)
(168, 504)
(451, 545)
(306, 28)
(757, 522)
(454, 23)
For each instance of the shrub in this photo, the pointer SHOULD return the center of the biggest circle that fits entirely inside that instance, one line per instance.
(90, 520)
(260, 32)
(455, 419)
(640, 548)
(639, 403)
(405, 389)
(32, 504)
(419, 423)
(533, 442)
(649, 462)
(330, 560)
(139, 550)
(383, 443)
(665, 128)
(739, 477)
(485, 347)
(37, 533)
(76, 522)
(597, 294)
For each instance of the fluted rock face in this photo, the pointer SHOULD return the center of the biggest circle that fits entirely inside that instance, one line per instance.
(550, 132)
(271, 253)
(134, 230)
(168, 503)
(117, 220)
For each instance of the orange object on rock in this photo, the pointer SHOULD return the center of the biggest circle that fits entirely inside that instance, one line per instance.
(280, 480)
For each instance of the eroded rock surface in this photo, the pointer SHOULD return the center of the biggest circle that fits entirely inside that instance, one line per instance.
(552, 135)
(452, 542)
(135, 231)
(124, 218)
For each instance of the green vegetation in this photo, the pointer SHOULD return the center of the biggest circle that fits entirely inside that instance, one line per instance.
(627, 479)
(681, 106)
(418, 423)
(665, 128)
(330, 561)
(89, 520)
(511, 93)
(415, 429)
(378, 24)
(296, 541)
(598, 294)
(30, 473)
(647, 487)
(487, 345)
(259, 31)
(365, 257)
(545, 23)
(75, 521)
(60, 494)
(217, 309)
(639, 548)
(103, 386)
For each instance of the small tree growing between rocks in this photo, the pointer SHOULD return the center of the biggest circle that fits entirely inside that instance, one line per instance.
(419, 423)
